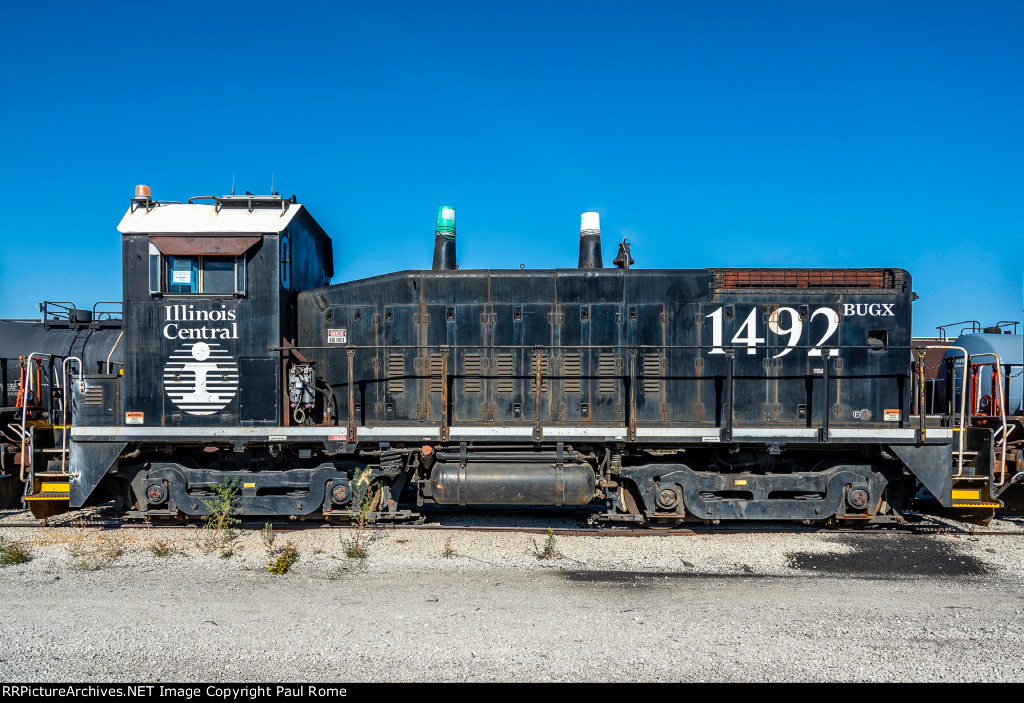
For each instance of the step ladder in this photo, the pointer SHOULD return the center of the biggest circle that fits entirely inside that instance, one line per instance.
(48, 492)
(972, 490)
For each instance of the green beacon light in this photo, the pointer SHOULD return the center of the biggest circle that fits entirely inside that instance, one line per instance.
(444, 240)
(445, 222)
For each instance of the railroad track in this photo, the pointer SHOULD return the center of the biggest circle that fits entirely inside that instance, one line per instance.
(934, 527)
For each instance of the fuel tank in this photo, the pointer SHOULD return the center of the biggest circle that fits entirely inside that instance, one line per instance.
(511, 479)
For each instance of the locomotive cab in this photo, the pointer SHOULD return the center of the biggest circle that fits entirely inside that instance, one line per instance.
(209, 317)
(209, 291)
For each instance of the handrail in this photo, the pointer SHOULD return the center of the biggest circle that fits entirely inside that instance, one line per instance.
(63, 408)
(729, 354)
(96, 312)
(1002, 411)
(975, 327)
(530, 347)
(24, 412)
(65, 307)
(963, 404)
(112, 350)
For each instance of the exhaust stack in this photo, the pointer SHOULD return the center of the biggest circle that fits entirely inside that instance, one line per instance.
(590, 241)
(444, 240)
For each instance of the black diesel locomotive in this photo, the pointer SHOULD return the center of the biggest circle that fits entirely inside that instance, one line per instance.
(653, 396)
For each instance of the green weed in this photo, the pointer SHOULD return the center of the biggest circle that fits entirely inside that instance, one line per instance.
(355, 547)
(12, 553)
(219, 531)
(548, 550)
(282, 559)
(268, 536)
(161, 548)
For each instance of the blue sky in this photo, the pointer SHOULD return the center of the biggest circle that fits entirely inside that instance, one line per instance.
(717, 133)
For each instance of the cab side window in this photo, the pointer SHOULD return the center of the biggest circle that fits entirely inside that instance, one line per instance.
(218, 275)
(203, 275)
(182, 274)
(286, 261)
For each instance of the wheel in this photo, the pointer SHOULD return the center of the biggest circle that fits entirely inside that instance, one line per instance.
(631, 502)
(976, 516)
(42, 509)
(375, 503)
(167, 520)
(629, 499)
(663, 523)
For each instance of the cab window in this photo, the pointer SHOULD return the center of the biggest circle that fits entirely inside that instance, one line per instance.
(204, 275)
(182, 274)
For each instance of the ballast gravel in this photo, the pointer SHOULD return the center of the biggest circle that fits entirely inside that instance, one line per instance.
(96, 604)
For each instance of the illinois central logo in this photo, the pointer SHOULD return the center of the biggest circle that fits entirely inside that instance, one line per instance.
(201, 378)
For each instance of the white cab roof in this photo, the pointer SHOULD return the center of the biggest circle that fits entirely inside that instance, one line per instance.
(206, 219)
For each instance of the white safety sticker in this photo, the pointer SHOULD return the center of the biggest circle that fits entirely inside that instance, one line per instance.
(891, 415)
(133, 418)
(337, 336)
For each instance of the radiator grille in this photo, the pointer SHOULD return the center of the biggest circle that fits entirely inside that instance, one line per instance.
(652, 373)
(436, 379)
(471, 382)
(396, 373)
(607, 372)
(506, 365)
(572, 382)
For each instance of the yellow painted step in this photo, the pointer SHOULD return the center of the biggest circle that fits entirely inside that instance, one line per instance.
(55, 488)
(966, 495)
(52, 491)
